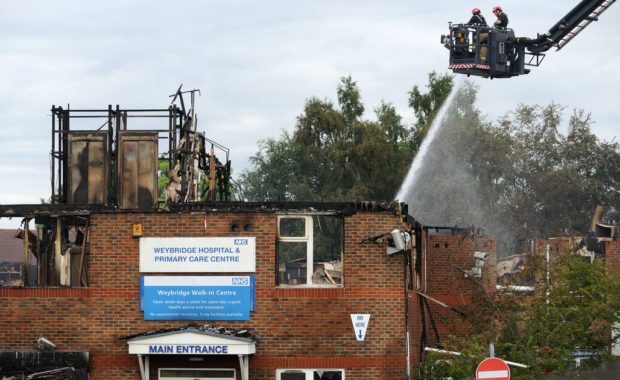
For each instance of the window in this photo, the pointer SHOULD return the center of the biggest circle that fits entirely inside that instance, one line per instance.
(196, 374)
(310, 374)
(59, 253)
(309, 250)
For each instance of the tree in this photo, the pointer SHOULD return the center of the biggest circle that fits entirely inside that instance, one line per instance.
(547, 183)
(444, 191)
(276, 163)
(333, 153)
(574, 310)
(427, 105)
(518, 178)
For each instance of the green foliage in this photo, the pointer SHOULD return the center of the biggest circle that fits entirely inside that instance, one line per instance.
(439, 366)
(427, 105)
(276, 163)
(162, 178)
(573, 310)
(544, 182)
(334, 154)
(445, 192)
(519, 178)
(506, 177)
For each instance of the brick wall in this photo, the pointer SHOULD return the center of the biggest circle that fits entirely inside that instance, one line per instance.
(559, 246)
(612, 255)
(307, 328)
(443, 279)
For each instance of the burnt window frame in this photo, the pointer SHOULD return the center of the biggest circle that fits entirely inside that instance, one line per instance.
(59, 252)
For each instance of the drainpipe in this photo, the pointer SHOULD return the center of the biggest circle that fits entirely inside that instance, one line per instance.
(405, 271)
(548, 279)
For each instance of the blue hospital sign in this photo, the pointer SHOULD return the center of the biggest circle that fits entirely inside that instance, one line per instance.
(198, 254)
(196, 297)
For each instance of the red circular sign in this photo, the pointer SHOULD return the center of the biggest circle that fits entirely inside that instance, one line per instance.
(493, 369)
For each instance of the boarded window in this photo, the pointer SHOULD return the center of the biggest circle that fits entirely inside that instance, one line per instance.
(137, 170)
(87, 168)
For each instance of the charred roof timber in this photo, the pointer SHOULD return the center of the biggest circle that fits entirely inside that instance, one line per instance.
(108, 164)
(340, 208)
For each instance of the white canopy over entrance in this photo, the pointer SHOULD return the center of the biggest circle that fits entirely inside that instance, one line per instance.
(191, 342)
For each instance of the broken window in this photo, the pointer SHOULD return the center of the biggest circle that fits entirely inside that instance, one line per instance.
(309, 250)
(310, 374)
(54, 253)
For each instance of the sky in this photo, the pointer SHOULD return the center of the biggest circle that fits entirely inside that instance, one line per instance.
(256, 63)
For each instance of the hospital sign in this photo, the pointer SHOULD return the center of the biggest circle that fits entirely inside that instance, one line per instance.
(197, 254)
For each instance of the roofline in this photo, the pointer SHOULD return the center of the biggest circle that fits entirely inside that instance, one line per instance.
(337, 208)
(148, 335)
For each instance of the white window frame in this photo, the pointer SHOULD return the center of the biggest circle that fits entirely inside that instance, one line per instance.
(197, 369)
(308, 238)
(309, 372)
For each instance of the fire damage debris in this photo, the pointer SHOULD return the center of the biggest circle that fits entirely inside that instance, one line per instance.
(48, 365)
(56, 254)
(206, 328)
(116, 166)
(511, 269)
(12, 259)
(110, 167)
(103, 168)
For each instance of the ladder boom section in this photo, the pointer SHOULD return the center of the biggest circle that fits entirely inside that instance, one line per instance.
(568, 27)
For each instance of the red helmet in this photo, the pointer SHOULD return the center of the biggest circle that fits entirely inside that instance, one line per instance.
(497, 8)
(475, 11)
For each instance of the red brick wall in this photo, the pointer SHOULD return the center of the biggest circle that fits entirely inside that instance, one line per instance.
(305, 328)
(559, 246)
(445, 254)
(612, 255)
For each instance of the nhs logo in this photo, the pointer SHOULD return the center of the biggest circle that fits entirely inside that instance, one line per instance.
(241, 241)
(244, 281)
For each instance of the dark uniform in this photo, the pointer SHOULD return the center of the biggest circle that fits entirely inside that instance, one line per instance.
(503, 20)
(477, 19)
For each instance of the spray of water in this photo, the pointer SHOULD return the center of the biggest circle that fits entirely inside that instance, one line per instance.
(409, 184)
(441, 187)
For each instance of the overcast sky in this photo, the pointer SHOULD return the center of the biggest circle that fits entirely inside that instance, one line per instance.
(257, 62)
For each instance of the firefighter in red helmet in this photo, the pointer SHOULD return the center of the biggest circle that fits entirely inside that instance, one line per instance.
(477, 18)
(502, 18)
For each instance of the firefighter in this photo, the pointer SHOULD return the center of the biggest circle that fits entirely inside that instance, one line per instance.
(502, 18)
(477, 18)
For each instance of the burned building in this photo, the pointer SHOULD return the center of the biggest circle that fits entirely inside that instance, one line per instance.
(14, 269)
(142, 277)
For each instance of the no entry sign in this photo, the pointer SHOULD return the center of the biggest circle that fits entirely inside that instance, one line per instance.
(493, 369)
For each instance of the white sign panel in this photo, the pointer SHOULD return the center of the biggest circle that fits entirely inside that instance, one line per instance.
(190, 343)
(198, 254)
(360, 324)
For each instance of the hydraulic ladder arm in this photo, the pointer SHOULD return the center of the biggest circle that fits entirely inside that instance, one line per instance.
(568, 27)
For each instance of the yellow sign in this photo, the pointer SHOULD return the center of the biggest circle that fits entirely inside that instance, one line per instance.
(137, 230)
